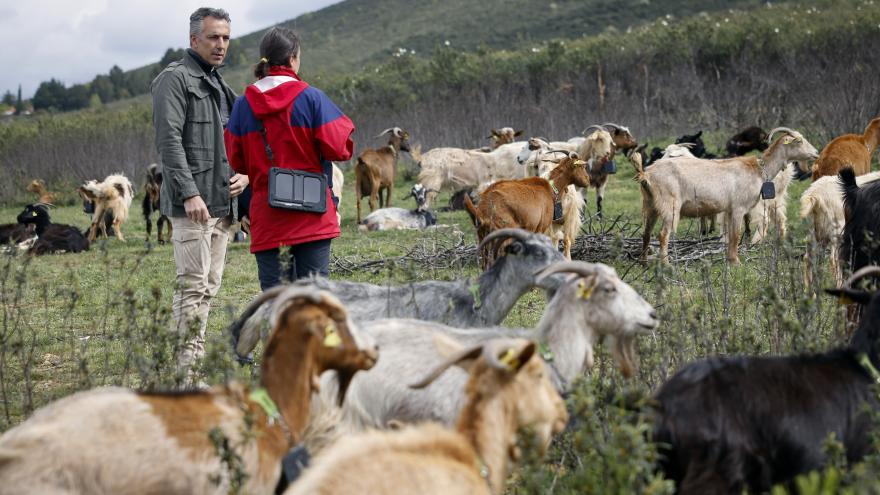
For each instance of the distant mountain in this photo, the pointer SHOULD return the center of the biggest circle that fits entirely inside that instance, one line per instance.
(348, 36)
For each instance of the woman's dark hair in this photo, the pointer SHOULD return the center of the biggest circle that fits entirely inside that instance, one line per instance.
(276, 48)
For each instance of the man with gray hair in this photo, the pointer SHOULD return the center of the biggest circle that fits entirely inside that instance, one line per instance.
(191, 104)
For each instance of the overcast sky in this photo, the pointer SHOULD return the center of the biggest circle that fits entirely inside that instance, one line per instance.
(73, 41)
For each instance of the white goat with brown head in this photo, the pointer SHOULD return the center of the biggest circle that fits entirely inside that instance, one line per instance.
(114, 440)
(376, 168)
(507, 389)
(692, 187)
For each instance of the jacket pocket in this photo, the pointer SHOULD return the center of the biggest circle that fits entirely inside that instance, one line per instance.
(198, 131)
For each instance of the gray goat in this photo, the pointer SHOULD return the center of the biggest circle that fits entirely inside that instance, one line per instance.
(458, 303)
(592, 303)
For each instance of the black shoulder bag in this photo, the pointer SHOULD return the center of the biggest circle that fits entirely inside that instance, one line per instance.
(296, 190)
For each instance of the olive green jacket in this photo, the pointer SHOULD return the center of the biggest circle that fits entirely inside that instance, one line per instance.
(189, 138)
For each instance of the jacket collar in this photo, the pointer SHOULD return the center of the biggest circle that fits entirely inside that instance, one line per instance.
(199, 67)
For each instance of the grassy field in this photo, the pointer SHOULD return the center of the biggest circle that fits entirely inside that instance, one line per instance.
(75, 321)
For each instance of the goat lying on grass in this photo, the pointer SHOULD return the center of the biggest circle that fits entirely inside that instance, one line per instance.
(507, 389)
(746, 423)
(114, 440)
(400, 218)
(459, 303)
(51, 237)
(593, 303)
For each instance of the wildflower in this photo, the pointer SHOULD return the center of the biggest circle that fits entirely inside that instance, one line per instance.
(446, 42)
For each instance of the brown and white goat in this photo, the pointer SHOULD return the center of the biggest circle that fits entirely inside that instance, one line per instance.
(152, 189)
(597, 149)
(115, 440)
(38, 187)
(508, 389)
(376, 168)
(525, 203)
(850, 150)
(113, 194)
(692, 187)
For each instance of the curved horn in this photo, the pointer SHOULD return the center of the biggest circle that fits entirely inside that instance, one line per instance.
(518, 234)
(861, 273)
(616, 126)
(386, 131)
(236, 327)
(581, 268)
(468, 353)
(494, 348)
(780, 129)
(598, 128)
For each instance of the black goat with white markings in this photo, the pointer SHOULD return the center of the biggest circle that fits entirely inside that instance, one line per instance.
(747, 423)
(51, 237)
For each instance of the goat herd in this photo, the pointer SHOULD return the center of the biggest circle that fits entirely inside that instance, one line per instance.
(440, 408)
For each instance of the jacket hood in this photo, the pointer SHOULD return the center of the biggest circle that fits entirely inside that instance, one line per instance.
(275, 92)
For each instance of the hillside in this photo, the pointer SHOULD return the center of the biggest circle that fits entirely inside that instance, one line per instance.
(352, 34)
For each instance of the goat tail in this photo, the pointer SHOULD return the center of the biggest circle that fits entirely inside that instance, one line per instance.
(848, 186)
(471, 209)
(809, 204)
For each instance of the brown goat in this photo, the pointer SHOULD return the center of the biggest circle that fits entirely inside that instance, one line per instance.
(375, 170)
(38, 187)
(524, 203)
(504, 135)
(849, 150)
(115, 440)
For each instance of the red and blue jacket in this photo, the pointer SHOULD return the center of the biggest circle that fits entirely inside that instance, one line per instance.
(303, 127)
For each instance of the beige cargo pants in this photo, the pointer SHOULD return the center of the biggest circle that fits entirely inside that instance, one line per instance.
(200, 255)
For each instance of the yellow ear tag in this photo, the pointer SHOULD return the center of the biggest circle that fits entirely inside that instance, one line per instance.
(33, 213)
(510, 360)
(584, 292)
(844, 300)
(331, 337)
(787, 140)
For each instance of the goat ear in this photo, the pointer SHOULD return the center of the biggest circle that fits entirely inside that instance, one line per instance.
(518, 133)
(850, 296)
(514, 247)
(518, 357)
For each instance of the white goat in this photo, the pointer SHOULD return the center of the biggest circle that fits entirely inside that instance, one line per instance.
(822, 203)
(115, 440)
(455, 169)
(507, 389)
(592, 304)
(692, 187)
(394, 218)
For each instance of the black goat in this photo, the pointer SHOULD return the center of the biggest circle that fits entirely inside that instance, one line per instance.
(150, 204)
(750, 138)
(13, 233)
(456, 201)
(747, 423)
(52, 238)
(647, 160)
(698, 148)
(860, 244)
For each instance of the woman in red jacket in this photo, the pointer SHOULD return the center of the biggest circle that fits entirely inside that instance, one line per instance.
(304, 129)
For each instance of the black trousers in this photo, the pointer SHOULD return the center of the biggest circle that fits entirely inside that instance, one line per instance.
(297, 262)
